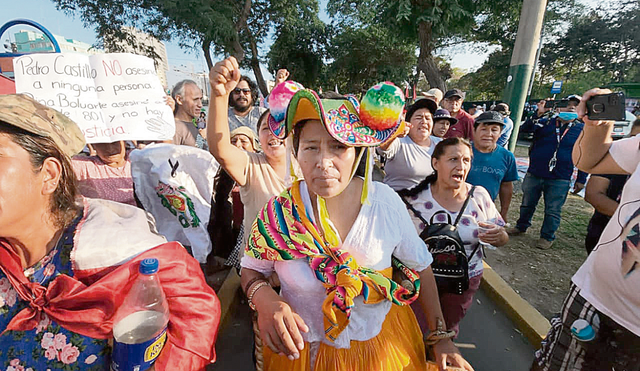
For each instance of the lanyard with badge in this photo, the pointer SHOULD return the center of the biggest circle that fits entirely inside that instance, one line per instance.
(554, 159)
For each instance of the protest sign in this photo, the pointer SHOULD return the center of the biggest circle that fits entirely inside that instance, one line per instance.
(111, 97)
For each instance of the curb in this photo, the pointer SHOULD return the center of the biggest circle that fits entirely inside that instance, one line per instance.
(533, 325)
(227, 294)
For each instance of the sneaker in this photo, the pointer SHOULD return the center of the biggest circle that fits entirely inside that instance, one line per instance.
(514, 231)
(544, 244)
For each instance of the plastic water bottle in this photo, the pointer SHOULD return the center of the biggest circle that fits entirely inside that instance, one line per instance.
(140, 324)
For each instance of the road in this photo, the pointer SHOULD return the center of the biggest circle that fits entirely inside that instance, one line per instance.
(497, 345)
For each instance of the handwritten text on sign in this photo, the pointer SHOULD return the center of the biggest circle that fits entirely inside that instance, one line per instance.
(110, 96)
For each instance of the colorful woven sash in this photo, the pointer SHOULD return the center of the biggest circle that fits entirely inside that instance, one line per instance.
(283, 231)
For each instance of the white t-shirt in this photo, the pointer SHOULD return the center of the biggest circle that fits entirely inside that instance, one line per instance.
(480, 209)
(407, 163)
(381, 229)
(601, 278)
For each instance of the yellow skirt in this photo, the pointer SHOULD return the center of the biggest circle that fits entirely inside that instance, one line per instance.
(398, 347)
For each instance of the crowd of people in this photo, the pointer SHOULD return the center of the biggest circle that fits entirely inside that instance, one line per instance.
(343, 272)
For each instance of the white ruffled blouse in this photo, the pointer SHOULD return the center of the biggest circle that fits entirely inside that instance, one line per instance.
(383, 228)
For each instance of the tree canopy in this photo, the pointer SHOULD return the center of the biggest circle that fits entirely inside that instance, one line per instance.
(432, 24)
(582, 47)
(300, 44)
(372, 40)
(362, 57)
(217, 26)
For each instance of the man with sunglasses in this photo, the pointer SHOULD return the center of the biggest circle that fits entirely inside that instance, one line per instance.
(242, 109)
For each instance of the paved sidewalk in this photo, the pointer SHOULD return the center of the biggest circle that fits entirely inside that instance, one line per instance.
(498, 345)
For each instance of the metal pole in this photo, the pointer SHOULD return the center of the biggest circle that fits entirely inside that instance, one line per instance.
(522, 61)
(535, 66)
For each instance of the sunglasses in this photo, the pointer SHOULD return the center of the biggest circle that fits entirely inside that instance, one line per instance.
(240, 90)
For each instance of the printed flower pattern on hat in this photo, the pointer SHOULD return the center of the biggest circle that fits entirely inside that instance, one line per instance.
(367, 124)
(345, 125)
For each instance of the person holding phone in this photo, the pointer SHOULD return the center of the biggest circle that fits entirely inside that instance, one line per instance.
(603, 192)
(603, 305)
(550, 170)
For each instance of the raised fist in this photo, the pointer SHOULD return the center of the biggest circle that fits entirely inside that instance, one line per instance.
(224, 77)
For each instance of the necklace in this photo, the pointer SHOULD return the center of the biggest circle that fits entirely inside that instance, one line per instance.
(31, 270)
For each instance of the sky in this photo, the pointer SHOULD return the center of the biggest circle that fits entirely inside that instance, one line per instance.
(181, 61)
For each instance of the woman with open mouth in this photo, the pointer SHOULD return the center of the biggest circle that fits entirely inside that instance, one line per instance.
(440, 198)
(260, 176)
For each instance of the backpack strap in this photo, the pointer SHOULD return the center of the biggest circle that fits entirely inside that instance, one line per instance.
(464, 205)
(413, 209)
(474, 251)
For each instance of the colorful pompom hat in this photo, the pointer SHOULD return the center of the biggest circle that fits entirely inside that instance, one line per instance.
(279, 99)
(363, 124)
(367, 124)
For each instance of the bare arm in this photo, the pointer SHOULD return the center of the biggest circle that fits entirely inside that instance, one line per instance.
(403, 131)
(428, 298)
(591, 151)
(596, 195)
(280, 327)
(504, 194)
(224, 77)
(385, 146)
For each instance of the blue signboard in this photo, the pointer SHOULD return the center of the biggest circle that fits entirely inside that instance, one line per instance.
(556, 87)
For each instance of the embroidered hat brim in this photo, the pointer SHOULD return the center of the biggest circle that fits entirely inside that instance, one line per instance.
(339, 116)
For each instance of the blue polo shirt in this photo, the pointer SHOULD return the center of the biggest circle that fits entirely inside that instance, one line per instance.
(491, 169)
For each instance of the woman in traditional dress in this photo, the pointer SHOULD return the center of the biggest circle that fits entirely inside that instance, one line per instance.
(67, 263)
(331, 239)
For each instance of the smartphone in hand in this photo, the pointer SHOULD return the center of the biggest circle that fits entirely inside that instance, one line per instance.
(606, 107)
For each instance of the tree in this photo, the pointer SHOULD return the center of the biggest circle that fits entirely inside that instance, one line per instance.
(487, 83)
(217, 26)
(597, 48)
(500, 28)
(300, 44)
(362, 57)
(429, 24)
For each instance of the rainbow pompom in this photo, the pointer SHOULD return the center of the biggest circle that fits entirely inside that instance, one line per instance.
(382, 106)
(280, 97)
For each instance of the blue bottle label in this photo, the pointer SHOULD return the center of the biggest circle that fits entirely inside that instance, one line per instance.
(137, 357)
